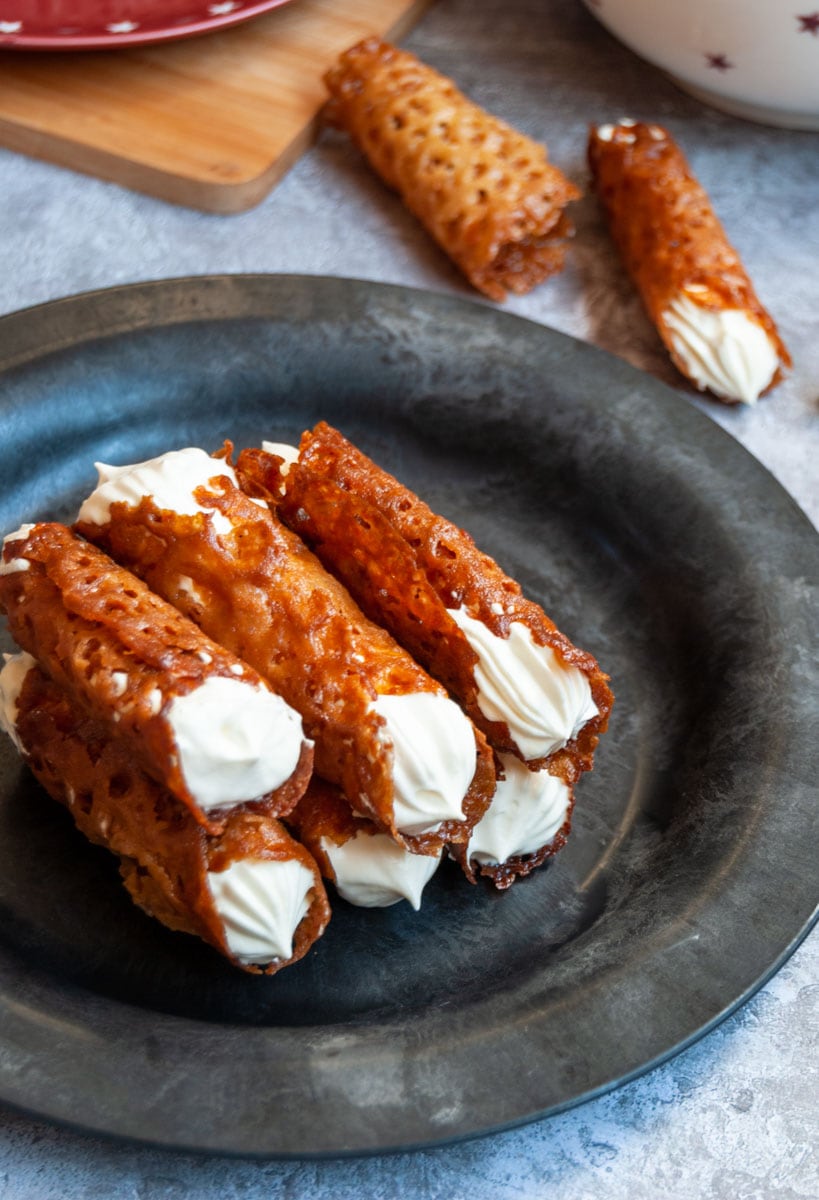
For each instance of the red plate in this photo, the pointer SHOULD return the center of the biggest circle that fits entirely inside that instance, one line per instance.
(106, 24)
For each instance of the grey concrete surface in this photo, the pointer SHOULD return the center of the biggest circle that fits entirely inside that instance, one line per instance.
(733, 1117)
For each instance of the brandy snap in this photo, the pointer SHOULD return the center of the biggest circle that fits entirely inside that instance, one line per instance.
(485, 192)
(692, 282)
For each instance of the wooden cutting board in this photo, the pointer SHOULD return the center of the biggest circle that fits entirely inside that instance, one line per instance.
(212, 122)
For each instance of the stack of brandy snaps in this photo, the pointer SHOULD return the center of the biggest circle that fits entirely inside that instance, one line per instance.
(243, 680)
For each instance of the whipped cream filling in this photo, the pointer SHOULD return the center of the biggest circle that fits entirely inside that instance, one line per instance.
(12, 678)
(721, 349)
(170, 480)
(236, 741)
(373, 871)
(433, 758)
(15, 564)
(527, 810)
(544, 703)
(261, 903)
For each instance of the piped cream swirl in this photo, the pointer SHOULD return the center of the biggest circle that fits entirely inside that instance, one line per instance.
(261, 903)
(722, 349)
(527, 810)
(236, 740)
(544, 702)
(170, 480)
(373, 871)
(433, 758)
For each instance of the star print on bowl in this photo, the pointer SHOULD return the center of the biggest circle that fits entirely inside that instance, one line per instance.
(758, 59)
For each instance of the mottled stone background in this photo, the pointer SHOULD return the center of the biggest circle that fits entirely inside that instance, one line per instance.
(734, 1117)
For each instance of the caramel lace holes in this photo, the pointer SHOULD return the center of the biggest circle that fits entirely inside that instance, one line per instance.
(94, 754)
(83, 801)
(119, 784)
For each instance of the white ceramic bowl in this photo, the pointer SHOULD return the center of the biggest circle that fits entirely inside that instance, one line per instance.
(754, 58)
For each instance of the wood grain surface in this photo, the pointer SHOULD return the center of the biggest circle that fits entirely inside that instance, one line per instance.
(212, 122)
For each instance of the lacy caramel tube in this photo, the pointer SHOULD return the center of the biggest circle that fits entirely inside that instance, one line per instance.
(485, 192)
(691, 279)
(522, 682)
(385, 732)
(200, 721)
(251, 891)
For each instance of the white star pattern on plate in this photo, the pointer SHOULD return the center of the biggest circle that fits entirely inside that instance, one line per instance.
(10, 26)
(218, 10)
(122, 27)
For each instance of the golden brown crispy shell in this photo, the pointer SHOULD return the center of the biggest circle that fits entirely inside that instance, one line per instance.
(114, 647)
(668, 235)
(164, 854)
(264, 596)
(406, 566)
(358, 543)
(486, 193)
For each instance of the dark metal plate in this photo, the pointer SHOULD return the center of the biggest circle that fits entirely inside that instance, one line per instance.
(653, 540)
